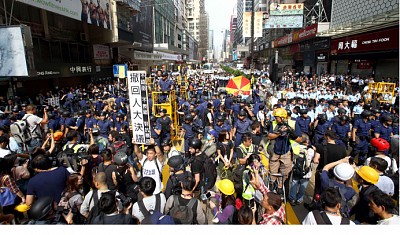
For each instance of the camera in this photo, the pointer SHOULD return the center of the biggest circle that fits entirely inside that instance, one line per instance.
(125, 201)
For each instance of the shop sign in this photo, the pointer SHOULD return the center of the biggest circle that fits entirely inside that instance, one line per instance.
(382, 40)
(322, 57)
(101, 52)
(363, 64)
(80, 69)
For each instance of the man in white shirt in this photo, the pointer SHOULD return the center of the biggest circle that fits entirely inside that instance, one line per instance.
(34, 123)
(151, 200)
(3, 146)
(151, 165)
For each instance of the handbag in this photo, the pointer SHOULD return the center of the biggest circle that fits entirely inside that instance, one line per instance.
(7, 197)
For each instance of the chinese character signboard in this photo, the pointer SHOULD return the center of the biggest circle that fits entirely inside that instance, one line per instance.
(246, 24)
(382, 40)
(284, 22)
(139, 108)
(286, 9)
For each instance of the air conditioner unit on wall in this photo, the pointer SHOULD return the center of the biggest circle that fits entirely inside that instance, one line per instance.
(84, 37)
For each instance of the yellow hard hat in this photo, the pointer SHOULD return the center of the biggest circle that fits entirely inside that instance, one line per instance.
(280, 112)
(22, 208)
(368, 174)
(226, 186)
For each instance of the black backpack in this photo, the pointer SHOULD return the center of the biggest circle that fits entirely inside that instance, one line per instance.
(126, 185)
(344, 209)
(183, 214)
(300, 165)
(147, 213)
(209, 173)
(95, 211)
(322, 218)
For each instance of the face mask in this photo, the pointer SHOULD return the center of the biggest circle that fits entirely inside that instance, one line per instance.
(209, 137)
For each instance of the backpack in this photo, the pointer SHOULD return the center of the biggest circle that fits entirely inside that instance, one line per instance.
(344, 209)
(95, 211)
(126, 185)
(300, 164)
(147, 213)
(209, 172)
(322, 218)
(183, 214)
(176, 188)
(67, 157)
(120, 146)
(20, 131)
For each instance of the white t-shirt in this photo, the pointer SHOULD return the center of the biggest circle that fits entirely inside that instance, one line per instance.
(335, 219)
(33, 122)
(150, 204)
(4, 152)
(391, 221)
(150, 170)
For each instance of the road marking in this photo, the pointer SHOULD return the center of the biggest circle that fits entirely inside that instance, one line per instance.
(291, 215)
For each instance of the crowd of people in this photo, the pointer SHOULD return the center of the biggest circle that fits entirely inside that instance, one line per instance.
(303, 141)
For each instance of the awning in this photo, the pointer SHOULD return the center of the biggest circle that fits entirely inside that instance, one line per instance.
(384, 20)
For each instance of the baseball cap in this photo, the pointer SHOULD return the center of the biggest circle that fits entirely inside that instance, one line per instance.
(214, 133)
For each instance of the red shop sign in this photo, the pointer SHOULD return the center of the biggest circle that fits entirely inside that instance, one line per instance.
(381, 40)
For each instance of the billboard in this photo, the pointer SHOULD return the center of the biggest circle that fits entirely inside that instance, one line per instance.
(142, 25)
(101, 52)
(12, 52)
(286, 9)
(92, 12)
(139, 108)
(284, 22)
(258, 24)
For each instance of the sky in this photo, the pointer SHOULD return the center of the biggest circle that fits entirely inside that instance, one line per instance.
(219, 12)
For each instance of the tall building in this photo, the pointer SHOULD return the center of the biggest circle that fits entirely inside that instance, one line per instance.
(233, 27)
(238, 38)
(197, 22)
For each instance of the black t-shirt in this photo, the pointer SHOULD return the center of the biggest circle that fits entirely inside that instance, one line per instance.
(197, 167)
(335, 152)
(113, 219)
(256, 139)
(170, 184)
(225, 148)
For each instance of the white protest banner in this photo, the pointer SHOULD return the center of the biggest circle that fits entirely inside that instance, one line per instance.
(139, 108)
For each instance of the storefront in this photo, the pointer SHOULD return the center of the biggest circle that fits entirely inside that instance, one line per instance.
(55, 76)
(369, 54)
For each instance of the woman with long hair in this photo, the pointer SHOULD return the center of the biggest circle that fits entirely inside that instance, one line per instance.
(223, 204)
(72, 198)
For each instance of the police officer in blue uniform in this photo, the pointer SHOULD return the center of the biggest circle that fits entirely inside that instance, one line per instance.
(155, 130)
(221, 125)
(385, 130)
(188, 132)
(119, 121)
(304, 121)
(341, 112)
(80, 126)
(99, 105)
(164, 85)
(104, 125)
(241, 127)
(320, 126)
(342, 130)
(360, 136)
(197, 122)
(69, 121)
(166, 125)
(228, 102)
(375, 123)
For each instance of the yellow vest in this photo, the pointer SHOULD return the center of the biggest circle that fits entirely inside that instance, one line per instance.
(295, 146)
(248, 190)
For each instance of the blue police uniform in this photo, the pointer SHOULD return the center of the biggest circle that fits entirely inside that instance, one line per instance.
(341, 131)
(395, 129)
(361, 148)
(82, 104)
(189, 134)
(154, 135)
(242, 127)
(99, 105)
(375, 124)
(198, 123)
(223, 127)
(320, 131)
(165, 127)
(53, 125)
(304, 124)
(80, 123)
(21, 114)
(282, 143)
(104, 127)
(228, 103)
(216, 103)
(384, 132)
(70, 122)
(165, 86)
(90, 122)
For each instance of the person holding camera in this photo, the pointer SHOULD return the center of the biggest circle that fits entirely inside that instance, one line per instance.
(252, 163)
(72, 198)
(223, 204)
(124, 177)
(286, 135)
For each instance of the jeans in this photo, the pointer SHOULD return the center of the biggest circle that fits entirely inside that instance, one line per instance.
(35, 142)
(297, 189)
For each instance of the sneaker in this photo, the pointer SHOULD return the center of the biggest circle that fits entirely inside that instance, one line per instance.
(292, 203)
